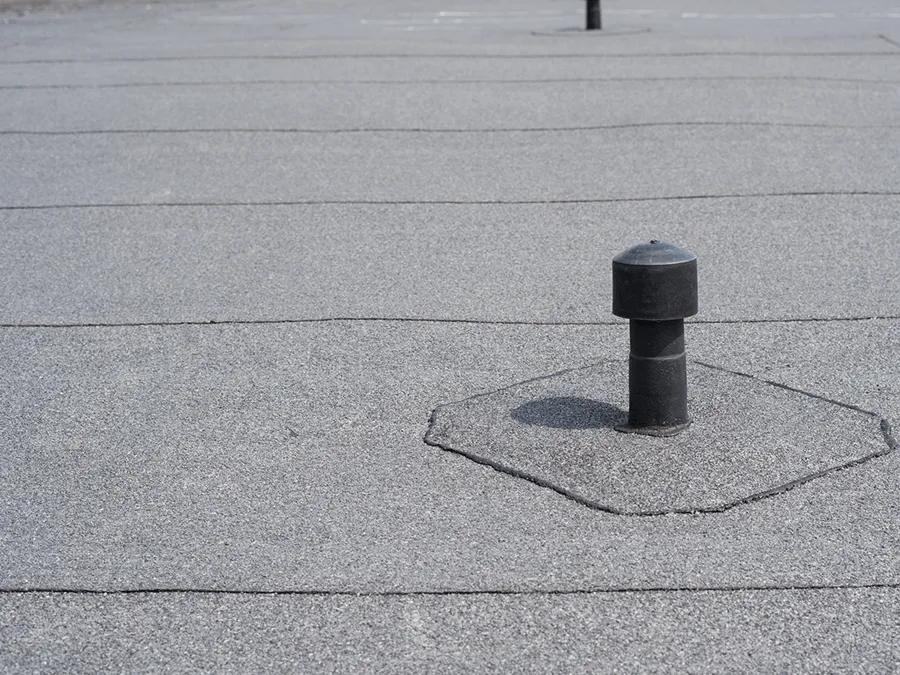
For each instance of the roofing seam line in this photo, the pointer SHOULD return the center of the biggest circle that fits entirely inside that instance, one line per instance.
(388, 319)
(229, 83)
(366, 57)
(439, 130)
(39, 590)
(455, 202)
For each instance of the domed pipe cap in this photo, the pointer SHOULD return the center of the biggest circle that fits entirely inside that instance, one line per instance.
(655, 281)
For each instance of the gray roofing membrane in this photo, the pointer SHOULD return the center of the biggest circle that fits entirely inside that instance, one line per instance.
(249, 247)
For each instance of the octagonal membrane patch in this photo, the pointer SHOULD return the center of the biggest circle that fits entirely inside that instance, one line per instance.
(749, 439)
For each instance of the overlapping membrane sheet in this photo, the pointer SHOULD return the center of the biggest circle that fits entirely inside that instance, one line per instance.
(247, 248)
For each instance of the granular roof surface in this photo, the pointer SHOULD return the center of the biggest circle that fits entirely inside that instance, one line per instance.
(250, 246)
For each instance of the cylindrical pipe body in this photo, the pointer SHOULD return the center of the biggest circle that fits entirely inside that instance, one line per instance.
(594, 21)
(655, 288)
(657, 374)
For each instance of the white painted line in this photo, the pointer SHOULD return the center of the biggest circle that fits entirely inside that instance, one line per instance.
(394, 22)
(496, 13)
(445, 21)
(794, 17)
(636, 12)
(513, 12)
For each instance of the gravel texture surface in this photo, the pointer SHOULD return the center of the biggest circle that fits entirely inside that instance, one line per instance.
(249, 246)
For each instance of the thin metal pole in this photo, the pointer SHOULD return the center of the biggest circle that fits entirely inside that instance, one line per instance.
(594, 22)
